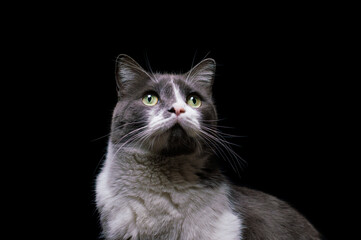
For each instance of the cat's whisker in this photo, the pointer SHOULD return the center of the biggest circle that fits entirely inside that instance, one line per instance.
(159, 126)
(206, 55)
(194, 58)
(220, 135)
(192, 65)
(150, 67)
(213, 120)
(130, 123)
(104, 136)
(143, 138)
(129, 141)
(219, 151)
(117, 128)
(131, 138)
(130, 133)
(99, 163)
(217, 126)
(234, 157)
(211, 145)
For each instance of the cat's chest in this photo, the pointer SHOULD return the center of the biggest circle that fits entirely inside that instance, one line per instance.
(151, 202)
(191, 214)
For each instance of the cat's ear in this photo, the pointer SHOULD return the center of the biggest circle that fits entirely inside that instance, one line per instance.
(128, 70)
(203, 72)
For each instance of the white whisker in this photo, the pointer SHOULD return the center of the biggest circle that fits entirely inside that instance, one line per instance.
(131, 138)
(222, 146)
(150, 68)
(117, 128)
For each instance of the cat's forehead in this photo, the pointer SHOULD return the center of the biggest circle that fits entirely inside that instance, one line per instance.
(168, 82)
(169, 79)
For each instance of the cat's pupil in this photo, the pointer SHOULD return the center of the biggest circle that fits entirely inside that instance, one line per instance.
(149, 98)
(194, 100)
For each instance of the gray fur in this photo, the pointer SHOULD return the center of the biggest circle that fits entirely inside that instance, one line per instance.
(267, 217)
(161, 178)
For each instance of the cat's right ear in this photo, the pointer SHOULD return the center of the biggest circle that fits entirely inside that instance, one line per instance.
(203, 72)
(127, 70)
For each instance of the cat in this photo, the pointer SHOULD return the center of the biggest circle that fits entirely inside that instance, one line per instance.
(161, 177)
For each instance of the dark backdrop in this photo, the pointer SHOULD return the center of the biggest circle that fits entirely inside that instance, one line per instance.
(270, 88)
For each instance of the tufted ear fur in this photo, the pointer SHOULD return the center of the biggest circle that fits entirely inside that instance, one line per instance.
(128, 70)
(203, 72)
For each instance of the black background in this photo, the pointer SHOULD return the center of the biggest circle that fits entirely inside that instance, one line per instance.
(274, 86)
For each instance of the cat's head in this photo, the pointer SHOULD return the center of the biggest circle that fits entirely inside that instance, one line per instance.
(163, 113)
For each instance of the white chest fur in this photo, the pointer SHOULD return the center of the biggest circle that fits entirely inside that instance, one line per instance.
(160, 210)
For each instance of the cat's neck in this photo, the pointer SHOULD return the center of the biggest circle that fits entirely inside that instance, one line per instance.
(140, 167)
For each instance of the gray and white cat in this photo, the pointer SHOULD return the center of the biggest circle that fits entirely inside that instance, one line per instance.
(161, 179)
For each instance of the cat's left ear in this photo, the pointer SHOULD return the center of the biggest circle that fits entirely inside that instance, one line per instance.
(203, 72)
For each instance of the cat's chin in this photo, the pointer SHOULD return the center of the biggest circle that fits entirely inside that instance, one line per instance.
(177, 132)
(175, 141)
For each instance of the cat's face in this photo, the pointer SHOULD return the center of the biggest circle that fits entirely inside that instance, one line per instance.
(163, 113)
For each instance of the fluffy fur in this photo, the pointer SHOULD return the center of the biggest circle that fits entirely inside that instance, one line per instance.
(161, 178)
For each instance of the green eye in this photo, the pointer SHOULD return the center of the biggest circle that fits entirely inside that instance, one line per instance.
(150, 99)
(194, 101)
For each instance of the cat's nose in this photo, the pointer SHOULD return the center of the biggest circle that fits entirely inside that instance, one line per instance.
(177, 109)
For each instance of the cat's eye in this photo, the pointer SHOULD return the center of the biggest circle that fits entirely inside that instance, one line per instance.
(150, 99)
(194, 101)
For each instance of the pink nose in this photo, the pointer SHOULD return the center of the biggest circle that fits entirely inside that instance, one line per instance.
(177, 110)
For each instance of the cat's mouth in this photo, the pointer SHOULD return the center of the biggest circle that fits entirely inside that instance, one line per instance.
(186, 127)
(178, 141)
(177, 131)
(174, 125)
(174, 139)
(174, 132)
